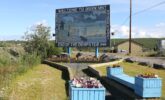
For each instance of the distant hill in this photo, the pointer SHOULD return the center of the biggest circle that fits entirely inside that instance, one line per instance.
(150, 43)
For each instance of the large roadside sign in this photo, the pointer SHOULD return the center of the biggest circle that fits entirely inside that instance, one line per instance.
(83, 26)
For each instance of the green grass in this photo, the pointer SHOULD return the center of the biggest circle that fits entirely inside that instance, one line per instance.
(40, 83)
(133, 69)
(12, 65)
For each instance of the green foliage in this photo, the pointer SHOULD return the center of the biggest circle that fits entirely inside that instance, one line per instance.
(53, 50)
(11, 66)
(38, 40)
(28, 61)
(3, 44)
(37, 84)
(5, 58)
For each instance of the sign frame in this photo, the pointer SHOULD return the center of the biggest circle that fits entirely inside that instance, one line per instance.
(79, 10)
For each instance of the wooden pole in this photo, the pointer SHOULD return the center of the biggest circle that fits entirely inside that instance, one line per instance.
(130, 29)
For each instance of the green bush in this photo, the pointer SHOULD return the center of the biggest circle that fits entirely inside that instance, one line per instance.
(53, 50)
(5, 60)
(3, 44)
(30, 59)
(11, 68)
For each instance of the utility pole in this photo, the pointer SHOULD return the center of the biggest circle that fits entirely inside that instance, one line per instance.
(130, 27)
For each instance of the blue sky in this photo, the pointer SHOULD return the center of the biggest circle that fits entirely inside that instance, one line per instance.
(16, 16)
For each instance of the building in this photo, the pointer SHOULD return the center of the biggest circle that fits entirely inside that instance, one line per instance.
(136, 48)
(139, 45)
(163, 44)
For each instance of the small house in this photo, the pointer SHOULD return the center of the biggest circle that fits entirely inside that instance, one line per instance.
(136, 47)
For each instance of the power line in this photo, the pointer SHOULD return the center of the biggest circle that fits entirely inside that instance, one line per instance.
(142, 11)
(154, 6)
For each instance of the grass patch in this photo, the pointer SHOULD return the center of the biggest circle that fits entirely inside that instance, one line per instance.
(133, 69)
(39, 83)
(14, 64)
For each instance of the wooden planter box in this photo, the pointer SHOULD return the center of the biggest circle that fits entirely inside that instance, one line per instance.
(114, 71)
(148, 87)
(86, 93)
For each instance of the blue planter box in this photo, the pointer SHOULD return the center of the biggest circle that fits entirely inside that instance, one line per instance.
(87, 93)
(148, 87)
(114, 71)
(118, 75)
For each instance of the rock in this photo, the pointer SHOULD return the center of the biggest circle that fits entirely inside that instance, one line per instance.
(113, 58)
(106, 58)
(64, 55)
(130, 60)
(103, 56)
(14, 52)
(54, 56)
(78, 55)
(143, 63)
(159, 66)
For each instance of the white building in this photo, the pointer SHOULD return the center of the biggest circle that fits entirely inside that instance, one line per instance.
(162, 44)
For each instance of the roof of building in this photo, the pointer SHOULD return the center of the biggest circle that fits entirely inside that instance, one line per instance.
(128, 41)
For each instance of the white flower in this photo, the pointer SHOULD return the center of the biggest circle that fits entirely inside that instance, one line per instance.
(78, 85)
(156, 76)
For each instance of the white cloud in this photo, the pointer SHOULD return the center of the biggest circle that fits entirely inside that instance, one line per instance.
(4, 37)
(43, 22)
(162, 24)
(155, 32)
(125, 30)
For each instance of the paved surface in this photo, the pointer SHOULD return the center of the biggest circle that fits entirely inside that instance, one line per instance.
(158, 60)
(77, 68)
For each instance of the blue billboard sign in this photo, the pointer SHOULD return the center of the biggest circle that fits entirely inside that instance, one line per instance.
(83, 26)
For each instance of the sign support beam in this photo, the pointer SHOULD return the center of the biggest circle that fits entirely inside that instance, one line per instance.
(69, 50)
(96, 52)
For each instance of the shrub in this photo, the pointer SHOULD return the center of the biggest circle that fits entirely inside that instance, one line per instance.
(3, 44)
(11, 68)
(37, 39)
(29, 59)
(53, 50)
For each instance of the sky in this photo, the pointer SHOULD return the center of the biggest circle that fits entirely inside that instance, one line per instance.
(17, 16)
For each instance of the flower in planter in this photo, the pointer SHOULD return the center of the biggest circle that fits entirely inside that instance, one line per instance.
(86, 82)
(115, 65)
(78, 85)
(148, 75)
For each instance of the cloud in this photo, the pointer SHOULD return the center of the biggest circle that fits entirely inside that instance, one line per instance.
(153, 32)
(5, 37)
(124, 30)
(43, 22)
(162, 24)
